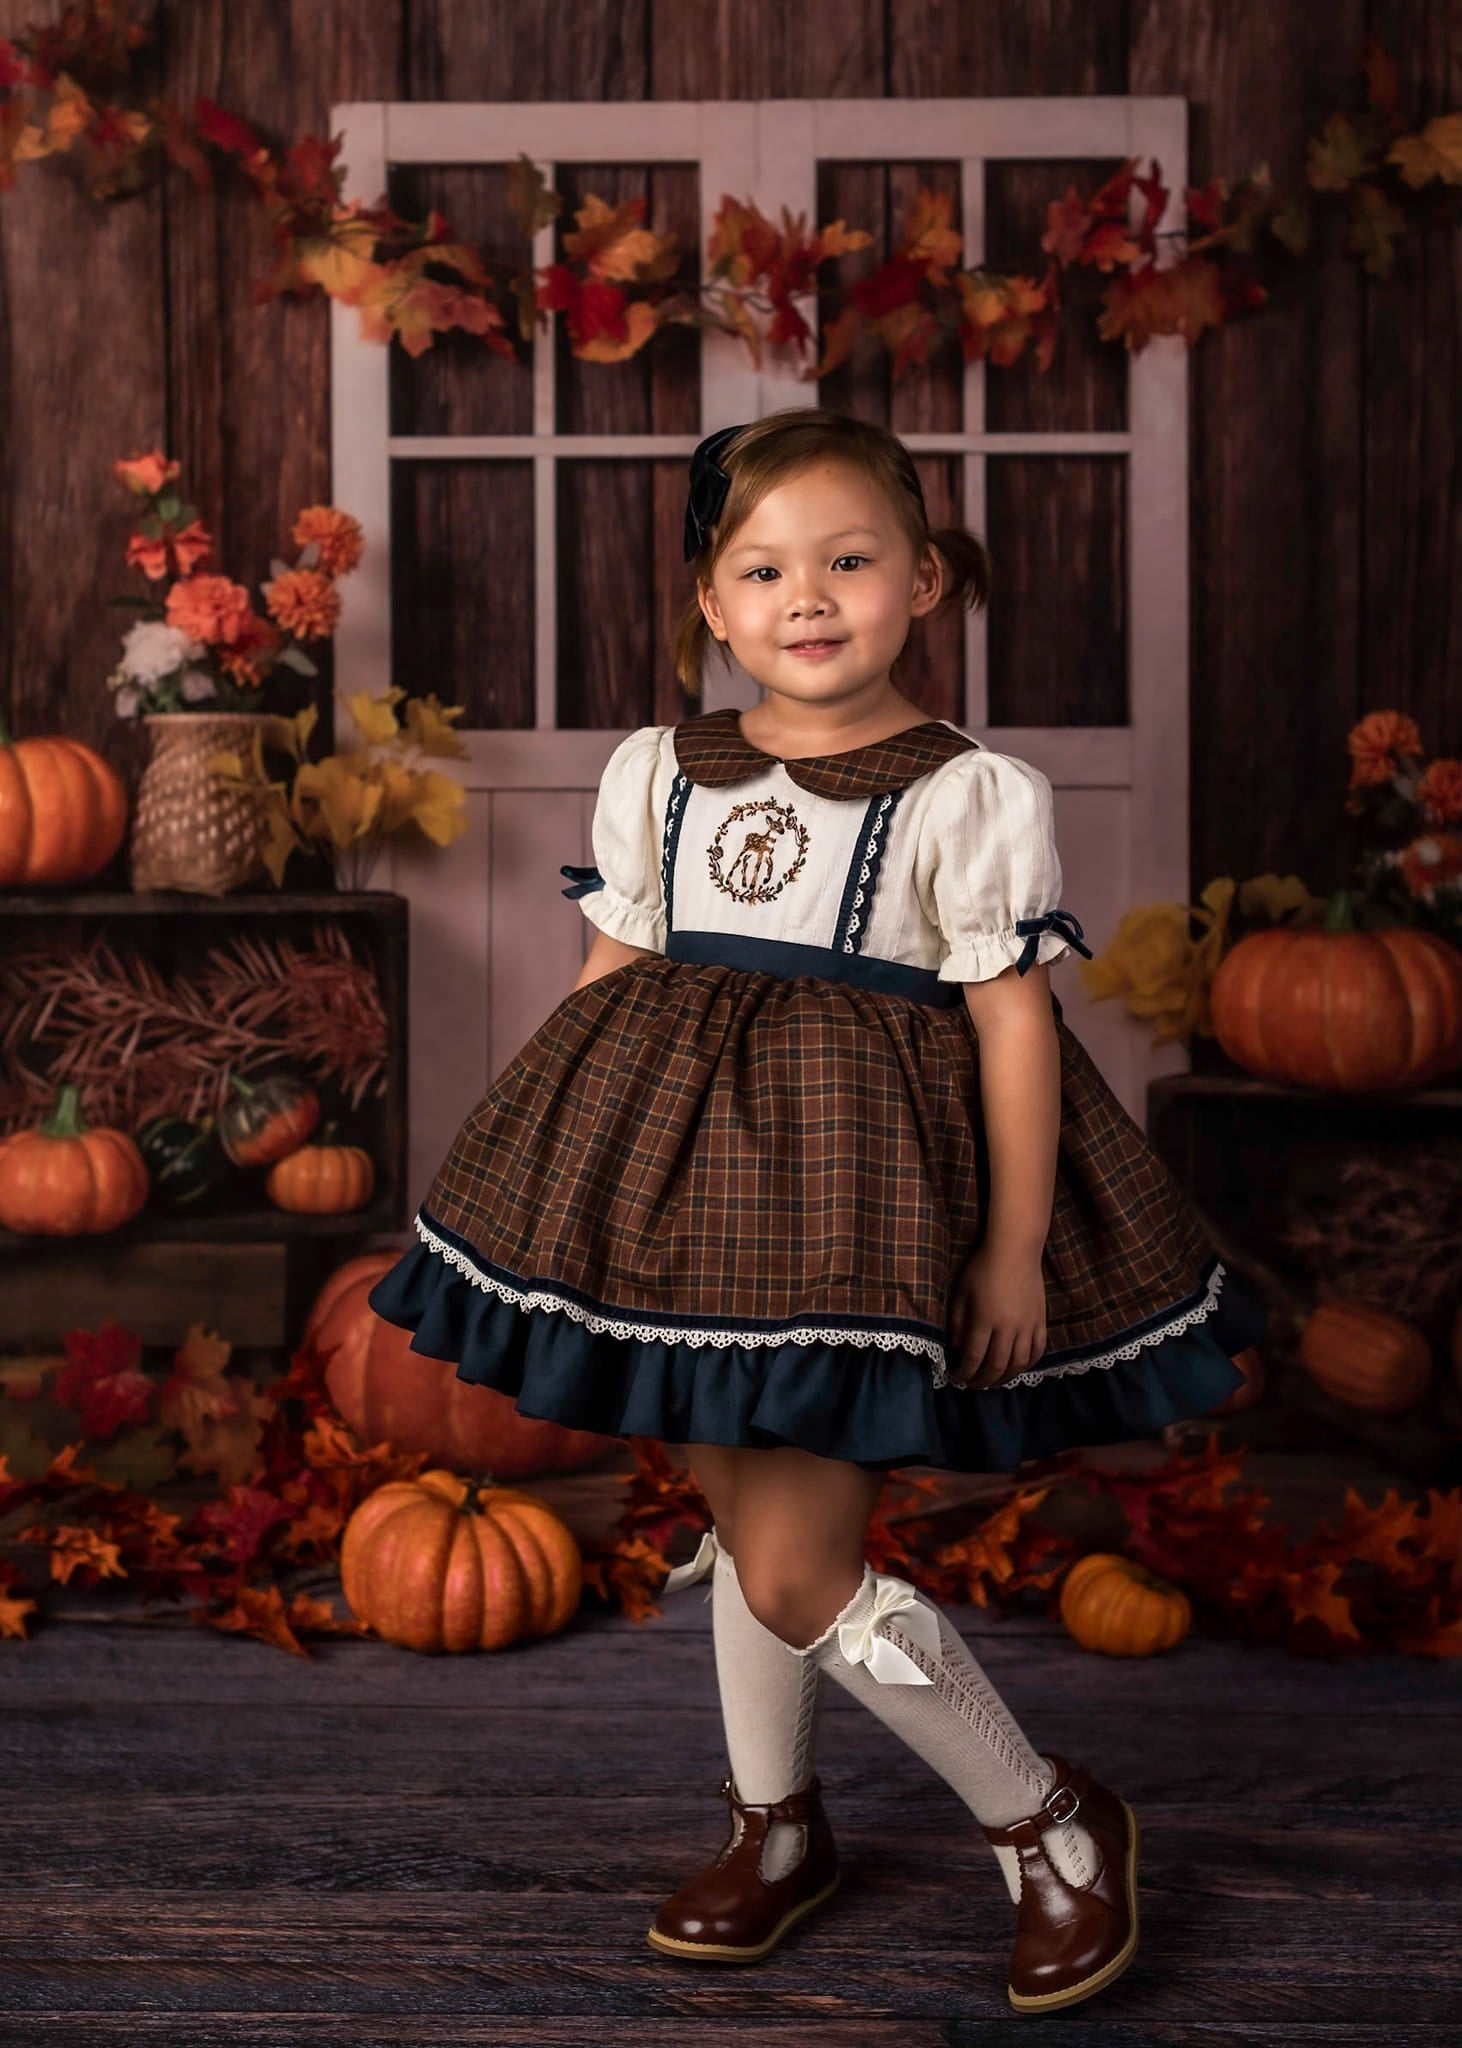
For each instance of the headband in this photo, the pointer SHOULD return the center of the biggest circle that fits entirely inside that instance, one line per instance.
(708, 488)
(709, 485)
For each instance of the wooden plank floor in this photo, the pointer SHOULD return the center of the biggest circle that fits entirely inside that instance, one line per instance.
(206, 1841)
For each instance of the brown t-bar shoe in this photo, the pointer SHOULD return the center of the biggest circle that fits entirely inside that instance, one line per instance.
(1071, 1940)
(729, 1912)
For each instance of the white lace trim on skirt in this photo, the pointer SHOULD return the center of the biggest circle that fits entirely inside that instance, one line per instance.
(804, 1333)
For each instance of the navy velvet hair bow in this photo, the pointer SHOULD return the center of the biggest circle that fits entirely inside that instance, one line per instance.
(708, 488)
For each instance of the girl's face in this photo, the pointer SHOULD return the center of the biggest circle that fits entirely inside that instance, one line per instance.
(822, 558)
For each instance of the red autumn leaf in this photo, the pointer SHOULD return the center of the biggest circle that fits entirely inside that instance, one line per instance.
(228, 132)
(241, 1523)
(894, 284)
(102, 1382)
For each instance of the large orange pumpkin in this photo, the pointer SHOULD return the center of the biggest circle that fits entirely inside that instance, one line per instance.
(444, 1563)
(385, 1390)
(63, 810)
(1366, 1357)
(1326, 1006)
(1113, 1604)
(61, 1178)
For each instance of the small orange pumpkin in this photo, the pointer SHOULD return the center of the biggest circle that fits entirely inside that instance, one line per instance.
(1327, 1006)
(1113, 1604)
(385, 1390)
(63, 1178)
(270, 1117)
(63, 810)
(445, 1563)
(322, 1179)
(1366, 1357)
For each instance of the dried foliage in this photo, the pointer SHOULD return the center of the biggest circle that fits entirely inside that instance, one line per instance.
(138, 1045)
(290, 1474)
(1391, 1235)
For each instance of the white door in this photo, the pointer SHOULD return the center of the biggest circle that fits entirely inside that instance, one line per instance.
(494, 944)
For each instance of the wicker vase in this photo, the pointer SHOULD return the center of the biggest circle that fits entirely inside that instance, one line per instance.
(189, 830)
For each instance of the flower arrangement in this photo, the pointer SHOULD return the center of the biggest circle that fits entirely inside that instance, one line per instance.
(344, 805)
(1411, 808)
(1411, 874)
(201, 644)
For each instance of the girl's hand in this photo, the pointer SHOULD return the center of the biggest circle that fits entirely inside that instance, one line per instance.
(998, 1316)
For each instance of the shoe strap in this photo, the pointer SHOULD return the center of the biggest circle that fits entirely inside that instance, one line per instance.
(795, 1806)
(1060, 1804)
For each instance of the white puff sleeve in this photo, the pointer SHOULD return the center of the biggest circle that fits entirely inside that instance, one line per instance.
(622, 893)
(988, 871)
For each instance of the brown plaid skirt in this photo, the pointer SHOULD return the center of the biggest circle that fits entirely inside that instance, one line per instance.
(694, 1168)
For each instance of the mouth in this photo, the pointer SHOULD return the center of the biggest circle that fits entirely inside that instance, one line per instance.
(811, 646)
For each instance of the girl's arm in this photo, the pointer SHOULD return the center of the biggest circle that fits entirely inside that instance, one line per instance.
(605, 955)
(998, 1313)
(1020, 1095)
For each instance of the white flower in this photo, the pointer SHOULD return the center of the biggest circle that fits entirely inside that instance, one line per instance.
(198, 684)
(129, 696)
(152, 649)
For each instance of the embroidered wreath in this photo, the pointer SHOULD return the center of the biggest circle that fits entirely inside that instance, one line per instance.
(779, 816)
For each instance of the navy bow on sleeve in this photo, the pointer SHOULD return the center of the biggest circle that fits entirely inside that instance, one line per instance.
(584, 879)
(1060, 921)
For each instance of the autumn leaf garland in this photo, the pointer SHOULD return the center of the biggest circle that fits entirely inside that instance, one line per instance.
(70, 91)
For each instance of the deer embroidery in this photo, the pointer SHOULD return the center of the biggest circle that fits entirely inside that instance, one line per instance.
(751, 876)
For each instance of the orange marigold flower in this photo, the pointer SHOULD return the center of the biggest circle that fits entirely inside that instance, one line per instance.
(1432, 860)
(1375, 742)
(305, 602)
(210, 609)
(1440, 789)
(146, 474)
(192, 545)
(339, 538)
(252, 652)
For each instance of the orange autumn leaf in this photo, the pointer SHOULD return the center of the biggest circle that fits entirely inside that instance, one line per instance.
(227, 1445)
(1183, 299)
(639, 324)
(396, 299)
(75, 1548)
(12, 1614)
(196, 1390)
(929, 238)
(613, 244)
(256, 1611)
(1435, 153)
(1311, 1596)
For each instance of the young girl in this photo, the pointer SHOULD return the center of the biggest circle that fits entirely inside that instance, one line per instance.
(807, 1173)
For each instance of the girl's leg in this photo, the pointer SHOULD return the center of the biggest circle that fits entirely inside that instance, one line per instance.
(801, 1521)
(770, 1697)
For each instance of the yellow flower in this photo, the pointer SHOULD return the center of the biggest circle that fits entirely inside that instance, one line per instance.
(1153, 964)
(375, 716)
(428, 723)
(441, 807)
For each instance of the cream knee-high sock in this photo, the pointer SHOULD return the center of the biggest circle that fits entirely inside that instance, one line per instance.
(770, 1702)
(897, 1651)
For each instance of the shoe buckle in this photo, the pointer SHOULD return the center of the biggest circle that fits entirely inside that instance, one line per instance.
(1061, 1791)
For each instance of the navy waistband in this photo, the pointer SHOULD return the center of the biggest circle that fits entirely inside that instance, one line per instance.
(779, 956)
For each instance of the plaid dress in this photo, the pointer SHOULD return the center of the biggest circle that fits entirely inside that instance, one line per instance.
(724, 1193)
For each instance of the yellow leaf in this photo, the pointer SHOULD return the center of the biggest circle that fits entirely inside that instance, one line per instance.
(930, 238)
(837, 240)
(440, 808)
(375, 717)
(71, 112)
(1277, 897)
(340, 261)
(1435, 153)
(1337, 157)
(428, 723)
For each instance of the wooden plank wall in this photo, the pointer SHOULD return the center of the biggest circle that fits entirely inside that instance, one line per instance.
(1327, 492)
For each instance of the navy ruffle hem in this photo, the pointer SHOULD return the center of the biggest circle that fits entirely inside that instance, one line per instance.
(879, 1409)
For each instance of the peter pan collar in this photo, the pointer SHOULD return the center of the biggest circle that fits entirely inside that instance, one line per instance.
(710, 749)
